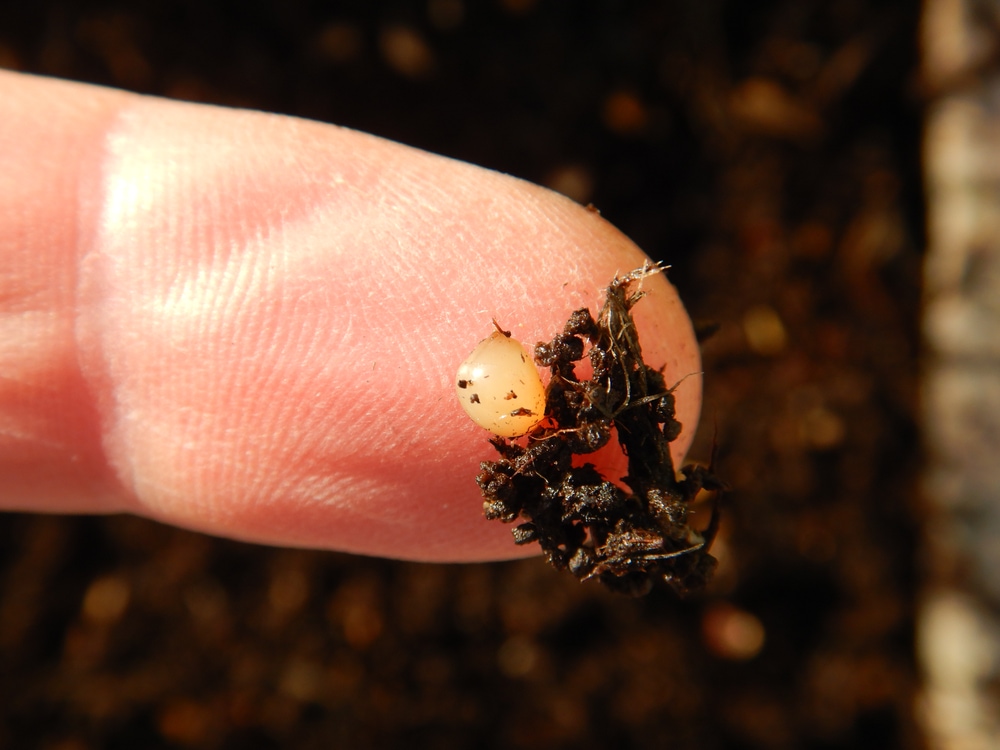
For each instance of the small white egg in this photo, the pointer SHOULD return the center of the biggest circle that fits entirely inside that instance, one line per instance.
(499, 387)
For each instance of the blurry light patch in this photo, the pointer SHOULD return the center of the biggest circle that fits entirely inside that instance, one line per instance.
(572, 180)
(517, 656)
(406, 52)
(732, 633)
(185, 722)
(624, 113)
(958, 650)
(206, 601)
(356, 608)
(106, 600)
(339, 43)
(362, 626)
(765, 107)
(822, 429)
(764, 330)
(287, 591)
(302, 680)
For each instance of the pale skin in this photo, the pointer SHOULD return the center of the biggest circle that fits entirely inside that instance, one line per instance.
(249, 325)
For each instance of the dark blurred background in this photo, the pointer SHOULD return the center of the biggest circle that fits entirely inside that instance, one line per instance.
(769, 151)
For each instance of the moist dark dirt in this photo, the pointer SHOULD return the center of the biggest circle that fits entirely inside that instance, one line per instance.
(583, 522)
(769, 152)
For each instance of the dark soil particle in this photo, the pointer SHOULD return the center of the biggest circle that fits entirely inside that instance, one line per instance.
(584, 523)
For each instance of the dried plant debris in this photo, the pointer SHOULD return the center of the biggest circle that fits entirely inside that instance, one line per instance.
(584, 523)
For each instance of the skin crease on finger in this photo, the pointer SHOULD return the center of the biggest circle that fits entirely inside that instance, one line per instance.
(267, 316)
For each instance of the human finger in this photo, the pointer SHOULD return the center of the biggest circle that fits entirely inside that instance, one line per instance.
(267, 314)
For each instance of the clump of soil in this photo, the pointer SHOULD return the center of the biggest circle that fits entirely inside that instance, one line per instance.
(583, 522)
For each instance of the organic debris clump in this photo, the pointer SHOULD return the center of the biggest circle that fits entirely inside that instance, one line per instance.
(584, 523)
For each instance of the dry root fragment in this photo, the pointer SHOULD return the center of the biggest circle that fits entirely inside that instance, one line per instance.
(584, 523)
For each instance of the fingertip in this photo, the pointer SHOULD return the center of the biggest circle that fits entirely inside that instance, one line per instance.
(559, 257)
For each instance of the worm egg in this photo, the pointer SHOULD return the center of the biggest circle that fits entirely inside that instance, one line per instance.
(499, 387)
